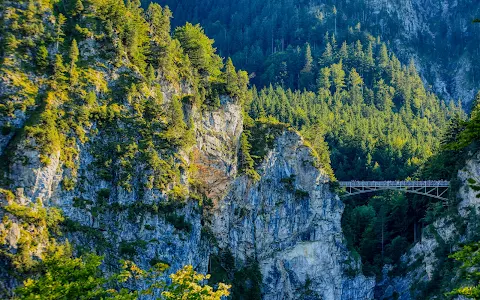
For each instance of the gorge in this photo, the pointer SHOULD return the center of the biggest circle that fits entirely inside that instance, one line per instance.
(127, 146)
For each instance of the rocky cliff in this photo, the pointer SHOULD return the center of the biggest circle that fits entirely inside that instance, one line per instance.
(289, 221)
(424, 268)
(438, 35)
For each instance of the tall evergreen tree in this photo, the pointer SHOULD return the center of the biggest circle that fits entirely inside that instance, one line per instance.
(338, 77)
(306, 74)
(42, 58)
(231, 79)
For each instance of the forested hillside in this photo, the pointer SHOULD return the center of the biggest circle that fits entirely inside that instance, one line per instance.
(328, 69)
(94, 96)
(260, 35)
(379, 123)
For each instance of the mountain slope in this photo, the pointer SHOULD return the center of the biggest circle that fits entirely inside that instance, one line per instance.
(124, 142)
(439, 36)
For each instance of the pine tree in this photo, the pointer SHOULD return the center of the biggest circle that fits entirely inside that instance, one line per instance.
(73, 54)
(306, 74)
(324, 78)
(246, 162)
(231, 79)
(475, 107)
(370, 62)
(343, 53)
(355, 79)
(356, 83)
(42, 58)
(334, 42)
(243, 81)
(59, 34)
(159, 20)
(359, 57)
(324, 83)
(59, 70)
(199, 49)
(176, 132)
(383, 95)
(338, 77)
(91, 99)
(308, 60)
(383, 56)
(150, 74)
(327, 55)
(358, 49)
(78, 8)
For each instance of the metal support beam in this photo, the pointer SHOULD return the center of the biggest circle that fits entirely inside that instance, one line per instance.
(434, 189)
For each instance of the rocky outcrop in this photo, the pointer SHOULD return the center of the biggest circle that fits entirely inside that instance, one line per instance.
(469, 197)
(412, 26)
(423, 260)
(215, 153)
(289, 222)
(417, 267)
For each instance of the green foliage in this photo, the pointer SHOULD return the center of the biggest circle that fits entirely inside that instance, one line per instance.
(35, 224)
(264, 132)
(72, 102)
(375, 114)
(62, 276)
(76, 104)
(469, 257)
(315, 136)
(467, 132)
(188, 284)
(177, 133)
(381, 118)
(46, 135)
(231, 78)
(199, 49)
(247, 282)
(41, 58)
(222, 267)
(74, 53)
(93, 234)
(246, 162)
(178, 222)
(475, 186)
(378, 229)
(129, 249)
(65, 277)
(269, 40)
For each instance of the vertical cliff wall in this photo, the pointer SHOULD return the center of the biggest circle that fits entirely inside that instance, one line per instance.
(424, 267)
(289, 222)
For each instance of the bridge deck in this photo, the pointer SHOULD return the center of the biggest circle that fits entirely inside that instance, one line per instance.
(436, 189)
(395, 184)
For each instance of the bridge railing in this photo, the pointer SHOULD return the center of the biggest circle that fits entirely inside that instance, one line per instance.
(398, 184)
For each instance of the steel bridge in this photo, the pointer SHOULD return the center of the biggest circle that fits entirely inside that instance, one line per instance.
(434, 189)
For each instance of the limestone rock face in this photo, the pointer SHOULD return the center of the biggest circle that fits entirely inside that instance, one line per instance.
(290, 222)
(421, 262)
(468, 196)
(129, 224)
(215, 153)
(410, 23)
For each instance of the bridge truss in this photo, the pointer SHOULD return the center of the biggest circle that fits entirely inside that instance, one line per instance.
(434, 189)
